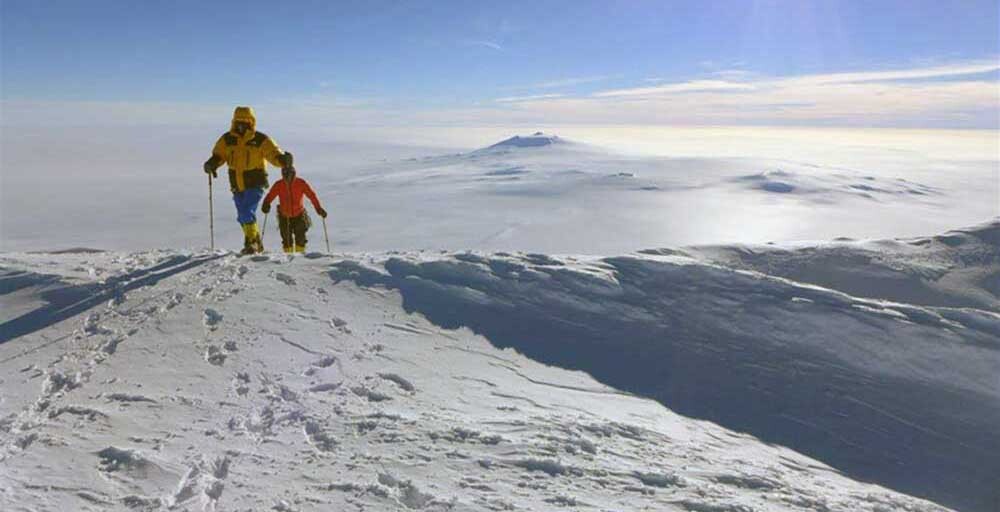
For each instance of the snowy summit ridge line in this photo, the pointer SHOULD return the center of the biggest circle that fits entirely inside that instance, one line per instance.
(535, 140)
(317, 383)
(886, 391)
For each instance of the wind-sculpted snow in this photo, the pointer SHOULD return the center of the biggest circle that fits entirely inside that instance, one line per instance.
(959, 269)
(900, 394)
(260, 384)
(829, 186)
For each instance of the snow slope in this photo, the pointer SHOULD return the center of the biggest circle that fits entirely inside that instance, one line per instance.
(887, 388)
(200, 381)
(959, 268)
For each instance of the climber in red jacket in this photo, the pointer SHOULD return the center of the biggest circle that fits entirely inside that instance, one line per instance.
(293, 222)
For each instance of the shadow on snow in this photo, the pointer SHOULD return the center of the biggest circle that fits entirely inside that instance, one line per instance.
(750, 354)
(66, 300)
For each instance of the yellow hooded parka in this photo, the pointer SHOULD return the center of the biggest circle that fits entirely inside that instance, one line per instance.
(245, 155)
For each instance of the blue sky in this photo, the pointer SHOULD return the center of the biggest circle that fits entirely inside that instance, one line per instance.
(721, 62)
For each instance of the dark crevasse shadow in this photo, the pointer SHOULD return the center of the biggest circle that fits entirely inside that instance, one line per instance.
(713, 344)
(66, 300)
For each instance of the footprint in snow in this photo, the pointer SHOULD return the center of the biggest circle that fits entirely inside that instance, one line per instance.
(317, 437)
(205, 477)
(326, 386)
(370, 394)
(114, 459)
(211, 319)
(285, 278)
(92, 325)
(325, 361)
(126, 398)
(408, 494)
(241, 383)
(173, 302)
(399, 381)
(214, 355)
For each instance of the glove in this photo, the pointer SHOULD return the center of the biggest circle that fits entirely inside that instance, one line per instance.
(286, 159)
(211, 170)
(266, 207)
(321, 212)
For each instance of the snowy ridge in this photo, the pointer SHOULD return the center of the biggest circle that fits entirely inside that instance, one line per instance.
(888, 391)
(194, 381)
(830, 186)
(960, 268)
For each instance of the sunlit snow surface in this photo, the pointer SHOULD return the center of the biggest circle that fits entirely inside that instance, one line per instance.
(379, 381)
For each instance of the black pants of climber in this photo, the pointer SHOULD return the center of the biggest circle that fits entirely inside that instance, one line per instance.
(293, 232)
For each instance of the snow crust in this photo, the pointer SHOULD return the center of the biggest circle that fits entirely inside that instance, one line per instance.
(899, 387)
(451, 381)
(958, 268)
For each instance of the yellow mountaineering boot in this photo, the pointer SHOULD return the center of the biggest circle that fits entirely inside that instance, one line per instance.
(300, 248)
(289, 249)
(251, 239)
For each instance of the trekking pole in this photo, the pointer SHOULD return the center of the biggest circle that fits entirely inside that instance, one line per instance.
(211, 214)
(263, 230)
(326, 236)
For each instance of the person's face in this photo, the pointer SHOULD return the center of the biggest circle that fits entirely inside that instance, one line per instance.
(241, 127)
(288, 175)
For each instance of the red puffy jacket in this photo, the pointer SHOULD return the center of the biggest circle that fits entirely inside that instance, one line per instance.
(290, 197)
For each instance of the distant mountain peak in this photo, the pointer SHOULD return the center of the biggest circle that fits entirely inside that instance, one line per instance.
(537, 139)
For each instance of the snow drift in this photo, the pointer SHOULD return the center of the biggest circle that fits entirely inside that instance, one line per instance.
(900, 393)
(205, 381)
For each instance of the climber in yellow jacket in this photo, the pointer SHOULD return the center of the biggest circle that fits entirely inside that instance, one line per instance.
(244, 150)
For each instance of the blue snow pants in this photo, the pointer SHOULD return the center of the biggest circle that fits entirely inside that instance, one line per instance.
(246, 204)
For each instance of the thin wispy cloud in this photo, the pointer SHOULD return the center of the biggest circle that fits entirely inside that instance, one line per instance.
(944, 71)
(723, 74)
(562, 82)
(957, 95)
(738, 80)
(521, 99)
(485, 44)
(954, 95)
(691, 86)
